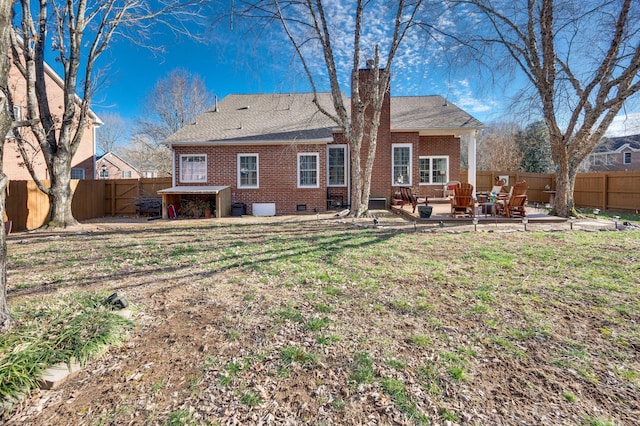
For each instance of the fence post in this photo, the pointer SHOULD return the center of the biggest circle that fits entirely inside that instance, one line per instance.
(605, 191)
(113, 197)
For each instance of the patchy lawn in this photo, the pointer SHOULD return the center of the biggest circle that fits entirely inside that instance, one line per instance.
(322, 322)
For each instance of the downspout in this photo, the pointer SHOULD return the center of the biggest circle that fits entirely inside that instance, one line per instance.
(348, 173)
(173, 165)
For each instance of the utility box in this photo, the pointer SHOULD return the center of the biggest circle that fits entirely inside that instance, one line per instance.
(264, 209)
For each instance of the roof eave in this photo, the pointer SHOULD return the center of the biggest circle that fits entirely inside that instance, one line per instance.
(249, 142)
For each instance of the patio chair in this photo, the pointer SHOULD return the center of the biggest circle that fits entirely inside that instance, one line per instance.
(462, 202)
(410, 198)
(514, 206)
(496, 192)
(449, 188)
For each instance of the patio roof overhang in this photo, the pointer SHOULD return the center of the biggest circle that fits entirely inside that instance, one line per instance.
(193, 190)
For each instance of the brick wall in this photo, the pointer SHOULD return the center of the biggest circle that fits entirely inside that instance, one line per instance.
(438, 145)
(277, 175)
(13, 165)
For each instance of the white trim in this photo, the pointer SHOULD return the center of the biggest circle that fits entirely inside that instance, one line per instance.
(430, 158)
(346, 165)
(182, 169)
(624, 157)
(257, 185)
(410, 169)
(309, 154)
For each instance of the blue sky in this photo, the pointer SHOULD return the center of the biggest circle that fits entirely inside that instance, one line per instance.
(236, 62)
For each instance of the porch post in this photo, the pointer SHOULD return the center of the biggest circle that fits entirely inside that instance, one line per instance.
(471, 151)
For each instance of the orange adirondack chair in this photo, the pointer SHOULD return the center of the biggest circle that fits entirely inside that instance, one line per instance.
(514, 206)
(462, 202)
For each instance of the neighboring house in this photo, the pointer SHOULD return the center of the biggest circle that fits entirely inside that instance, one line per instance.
(111, 166)
(615, 154)
(279, 150)
(82, 165)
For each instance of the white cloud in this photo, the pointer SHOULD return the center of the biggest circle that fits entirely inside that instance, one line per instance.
(624, 125)
(462, 95)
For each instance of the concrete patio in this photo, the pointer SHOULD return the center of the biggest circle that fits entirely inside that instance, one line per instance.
(442, 213)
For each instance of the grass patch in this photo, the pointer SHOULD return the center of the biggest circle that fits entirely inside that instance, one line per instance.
(77, 326)
(362, 369)
(292, 354)
(420, 340)
(396, 389)
(317, 324)
(290, 314)
(250, 399)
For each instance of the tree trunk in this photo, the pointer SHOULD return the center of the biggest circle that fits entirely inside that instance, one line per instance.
(356, 180)
(5, 316)
(5, 126)
(60, 197)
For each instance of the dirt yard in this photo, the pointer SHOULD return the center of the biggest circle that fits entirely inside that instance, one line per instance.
(322, 321)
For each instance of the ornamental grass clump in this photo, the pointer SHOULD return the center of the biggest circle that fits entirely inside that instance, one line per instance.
(50, 331)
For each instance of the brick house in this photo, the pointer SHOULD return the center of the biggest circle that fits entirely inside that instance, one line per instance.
(615, 154)
(278, 150)
(83, 162)
(111, 166)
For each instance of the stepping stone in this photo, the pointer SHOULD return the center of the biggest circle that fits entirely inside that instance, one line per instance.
(124, 313)
(55, 375)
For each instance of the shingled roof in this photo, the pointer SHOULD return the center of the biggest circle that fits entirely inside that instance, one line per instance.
(616, 144)
(284, 118)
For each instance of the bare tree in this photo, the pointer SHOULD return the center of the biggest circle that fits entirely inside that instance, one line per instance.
(581, 59)
(150, 158)
(78, 32)
(176, 100)
(497, 148)
(312, 30)
(5, 126)
(112, 132)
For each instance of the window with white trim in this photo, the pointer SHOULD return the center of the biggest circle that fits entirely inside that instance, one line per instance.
(434, 170)
(308, 170)
(401, 164)
(626, 158)
(248, 171)
(77, 173)
(336, 165)
(126, 174)
(193, 168)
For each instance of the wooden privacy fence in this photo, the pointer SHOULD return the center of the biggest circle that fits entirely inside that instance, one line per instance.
(120, 195)
(28, 207)
(618, 191)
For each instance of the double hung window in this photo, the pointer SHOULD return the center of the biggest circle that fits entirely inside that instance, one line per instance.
(248, 171)
(401, 164)
(193, 168)
(308, 170)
